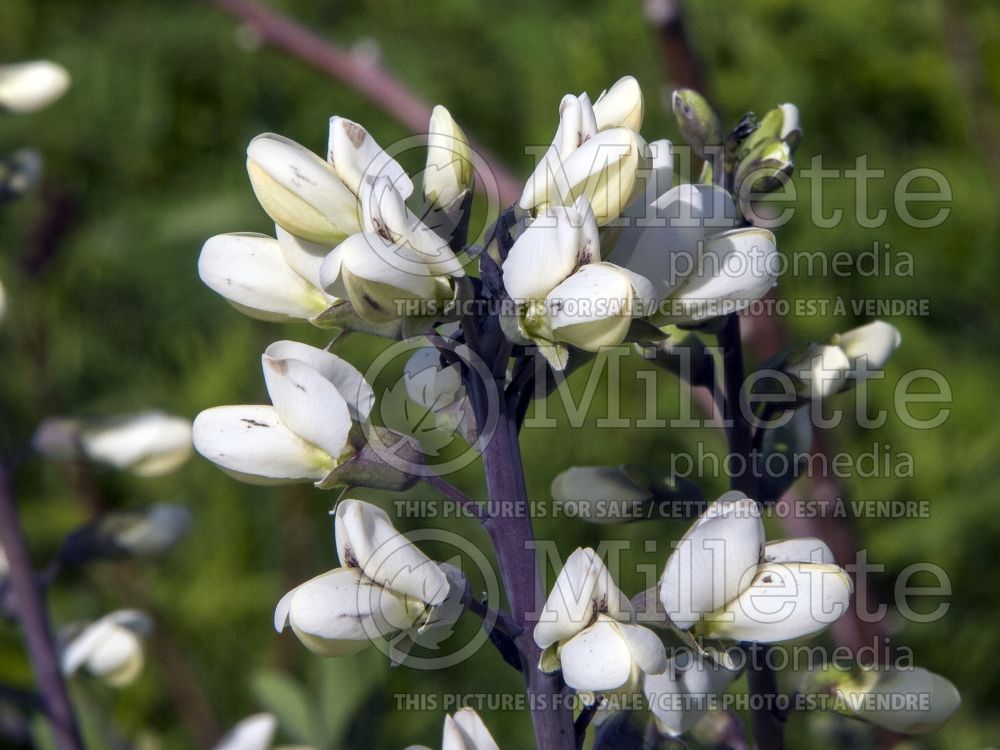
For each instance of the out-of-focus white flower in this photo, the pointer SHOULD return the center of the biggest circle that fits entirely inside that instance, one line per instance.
(910, 701)
(148, 443)
(448, 174)
(846, 360)
(252, 733)
(681, 695)
(699, 266)
(463, 730)
(254, 274)
(597, 152)
(151, 531)
(387, 589)
(27, 87)
(316, 398)
(724, 582)
(4, 565)
(110, 648)
(600, 494)
(586, 630)
(3, 302)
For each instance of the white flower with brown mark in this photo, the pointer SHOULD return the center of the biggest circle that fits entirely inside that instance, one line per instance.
(723, 581)
(110, 648)
(586, 630)
(303, 436)
(386, 589)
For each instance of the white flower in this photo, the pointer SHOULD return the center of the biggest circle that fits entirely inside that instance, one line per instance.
(151, 531)
(317, 396)
(848, 359)
(681, 695)
(463, 730)
(556, 243)
(110, 648)
(30, 86)
(600, 494)
(438, 387)
(357, 157)
(586, 631)
(596, 306)
(387, 589)
(148, 443)
(3, 302)
(300, 191)
(910, 701)
(700, 267)
(253, 273)
(597, 152)
(448, 174)
(252, 733)
(724, 582)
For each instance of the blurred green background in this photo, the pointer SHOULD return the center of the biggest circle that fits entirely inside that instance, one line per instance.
(145, 161)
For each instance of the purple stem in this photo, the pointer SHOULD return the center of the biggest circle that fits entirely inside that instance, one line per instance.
(29, 606)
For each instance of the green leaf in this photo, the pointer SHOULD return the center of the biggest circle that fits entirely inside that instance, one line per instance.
(290, 702)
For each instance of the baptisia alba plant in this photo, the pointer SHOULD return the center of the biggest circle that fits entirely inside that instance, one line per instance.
(387, 588)
(463, 730)
(110, 648)
(600, 249)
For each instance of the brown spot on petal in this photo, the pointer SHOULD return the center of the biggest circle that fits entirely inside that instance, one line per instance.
(768, 578)
(355, 133)
(254, 423)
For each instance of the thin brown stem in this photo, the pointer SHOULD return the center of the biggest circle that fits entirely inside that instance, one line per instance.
(364, 76)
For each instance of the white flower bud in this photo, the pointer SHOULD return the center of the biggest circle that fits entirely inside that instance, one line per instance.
(356, 157)
(110, 648)
(620, 106)
(600, 494)
(30, 86)
(300, 191)
(152, 531)
(465, 731)
(448, 173)
(148, 444)
(874, 343)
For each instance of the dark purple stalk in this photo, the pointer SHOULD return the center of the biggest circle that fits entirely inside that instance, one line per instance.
(29, 606)
(766, 724)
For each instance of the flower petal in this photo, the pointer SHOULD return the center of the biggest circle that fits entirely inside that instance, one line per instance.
(304, 257)
(544, 255)
(713, 562)
(367, 539)
(148, 443)
(646, 648)
(300, 191)
(800, 549)
(620, 106)
(252, 444)
(350, 383)
(466, 731)
(339, 612)
(875, 341)
(252, 733)
(785, 601)
(735, 267)
(662, 240)
(251, 273)
(582, 589)
(592, 308)
(597, 658)
(932, 699)
(308, 403)
(27, 87)
(355, 155)
(680, 695)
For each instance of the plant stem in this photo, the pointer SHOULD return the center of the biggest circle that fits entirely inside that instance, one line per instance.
(29, 606)
(454, 494)
(767, 725)
(508, 524)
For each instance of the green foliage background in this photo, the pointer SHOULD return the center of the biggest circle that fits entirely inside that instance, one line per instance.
(145, 161)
